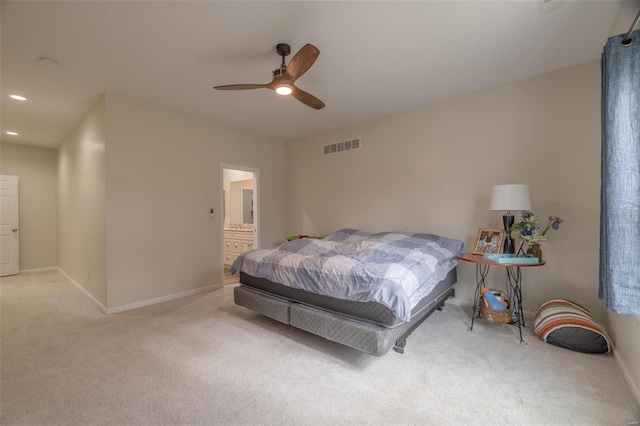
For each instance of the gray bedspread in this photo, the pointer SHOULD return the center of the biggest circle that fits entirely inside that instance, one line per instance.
(395, 269)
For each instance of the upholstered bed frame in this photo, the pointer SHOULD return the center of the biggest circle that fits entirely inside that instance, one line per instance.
(368, 327)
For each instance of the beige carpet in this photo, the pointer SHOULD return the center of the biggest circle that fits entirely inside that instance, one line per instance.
(203, 360)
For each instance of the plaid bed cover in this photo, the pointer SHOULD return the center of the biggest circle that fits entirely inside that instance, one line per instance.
(395, 269)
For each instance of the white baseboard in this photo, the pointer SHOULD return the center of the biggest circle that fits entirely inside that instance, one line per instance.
(142, 303)
(38, 270)
(635, 390)
(161, 299)
(85, 293)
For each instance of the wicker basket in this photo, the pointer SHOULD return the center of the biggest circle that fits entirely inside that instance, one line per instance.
(491, 315)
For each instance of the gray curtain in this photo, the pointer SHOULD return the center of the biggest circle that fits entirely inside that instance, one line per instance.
(620, 186)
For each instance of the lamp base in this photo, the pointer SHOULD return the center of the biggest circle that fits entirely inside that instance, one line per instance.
(509, 247)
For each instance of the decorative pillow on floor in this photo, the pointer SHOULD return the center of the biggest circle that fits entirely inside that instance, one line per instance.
(566, 324)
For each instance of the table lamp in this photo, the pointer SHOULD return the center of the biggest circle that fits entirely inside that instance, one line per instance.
(509, 197)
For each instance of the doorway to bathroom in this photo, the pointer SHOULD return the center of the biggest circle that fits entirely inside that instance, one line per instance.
(240, 218)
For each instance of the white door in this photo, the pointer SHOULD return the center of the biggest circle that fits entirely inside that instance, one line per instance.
(9, 240)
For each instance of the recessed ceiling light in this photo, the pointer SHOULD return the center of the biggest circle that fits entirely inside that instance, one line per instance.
(12, 133)
(18, 97)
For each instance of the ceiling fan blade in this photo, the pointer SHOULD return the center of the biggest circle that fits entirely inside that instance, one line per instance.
(242, 86)
(307, 98)
(302, 61)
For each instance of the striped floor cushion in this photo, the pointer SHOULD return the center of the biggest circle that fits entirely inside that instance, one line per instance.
(566, 324)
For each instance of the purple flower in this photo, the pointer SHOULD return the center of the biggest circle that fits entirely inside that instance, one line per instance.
(555, 221)
(531, 231)
(526, 214)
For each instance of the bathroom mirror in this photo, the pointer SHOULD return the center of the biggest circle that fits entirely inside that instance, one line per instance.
(247, 205)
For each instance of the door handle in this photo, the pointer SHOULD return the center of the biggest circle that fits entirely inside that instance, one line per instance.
(14, 230)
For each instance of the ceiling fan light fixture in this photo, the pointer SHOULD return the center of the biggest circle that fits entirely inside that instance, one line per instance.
(285, 76)
(284, 90)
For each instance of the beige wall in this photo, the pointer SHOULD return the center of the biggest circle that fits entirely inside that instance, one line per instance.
(36, 170)
(431, 169)
(81, 204)
(624, 330)
(163, 176)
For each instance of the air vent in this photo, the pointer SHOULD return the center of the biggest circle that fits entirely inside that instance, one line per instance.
(335, 148)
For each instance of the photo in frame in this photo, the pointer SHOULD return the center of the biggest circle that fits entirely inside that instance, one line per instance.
(489, 241)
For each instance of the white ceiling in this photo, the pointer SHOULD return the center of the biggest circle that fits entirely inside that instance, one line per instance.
(376, 57)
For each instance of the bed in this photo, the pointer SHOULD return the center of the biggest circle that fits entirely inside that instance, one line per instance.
(367, 291)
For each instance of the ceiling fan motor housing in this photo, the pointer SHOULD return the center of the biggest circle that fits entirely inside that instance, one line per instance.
(283, 49)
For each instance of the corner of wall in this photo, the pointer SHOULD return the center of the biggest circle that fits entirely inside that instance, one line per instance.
(81, 203)
(623, 332)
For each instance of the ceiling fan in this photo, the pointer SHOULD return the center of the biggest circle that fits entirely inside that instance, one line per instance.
(285, 76)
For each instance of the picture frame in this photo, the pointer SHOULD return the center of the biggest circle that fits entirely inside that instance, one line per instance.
(489, 241)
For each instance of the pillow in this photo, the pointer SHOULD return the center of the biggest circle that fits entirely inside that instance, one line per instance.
(568, 325)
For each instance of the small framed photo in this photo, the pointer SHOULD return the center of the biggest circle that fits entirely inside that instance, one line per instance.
(489, 241)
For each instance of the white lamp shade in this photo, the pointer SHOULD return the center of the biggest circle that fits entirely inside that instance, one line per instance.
(510, 197)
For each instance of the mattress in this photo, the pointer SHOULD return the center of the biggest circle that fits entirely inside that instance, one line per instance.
(370, 311)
